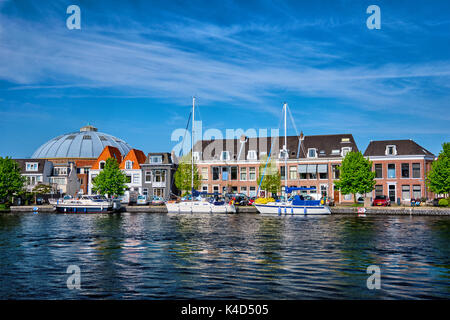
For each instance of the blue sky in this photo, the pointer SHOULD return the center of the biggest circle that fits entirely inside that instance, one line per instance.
(134, 66)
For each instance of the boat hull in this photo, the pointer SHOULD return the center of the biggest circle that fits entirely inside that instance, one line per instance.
(277, 209)
(198, 207)
(83, 209)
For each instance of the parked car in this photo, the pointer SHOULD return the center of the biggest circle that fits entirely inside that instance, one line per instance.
(156, 201)
(142, 199)
(251, 200)
(381, 201)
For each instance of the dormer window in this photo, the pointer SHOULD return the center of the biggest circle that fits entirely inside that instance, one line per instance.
(32, 166)
(335, 152)
(345, 150)
(225, 155)
(101, 165)
(196, 156)
(391, 150)
(129, 165)
(345, 140)
(252, 155)
(312, 153)
(156, 159)
(284, 154)
(322, 153)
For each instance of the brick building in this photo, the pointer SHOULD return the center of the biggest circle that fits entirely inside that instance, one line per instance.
(401, 167)
(232, 165)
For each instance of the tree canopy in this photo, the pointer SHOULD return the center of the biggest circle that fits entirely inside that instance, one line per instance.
(183, 175)
(356, 175)
(110, 181)
(438, 179)
(11, 181)
(272, 177)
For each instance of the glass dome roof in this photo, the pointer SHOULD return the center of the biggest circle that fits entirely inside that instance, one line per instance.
(87, 143)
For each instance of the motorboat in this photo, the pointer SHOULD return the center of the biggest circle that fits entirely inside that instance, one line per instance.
(87, 204)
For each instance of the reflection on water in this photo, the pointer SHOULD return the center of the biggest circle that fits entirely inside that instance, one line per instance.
(164, 256)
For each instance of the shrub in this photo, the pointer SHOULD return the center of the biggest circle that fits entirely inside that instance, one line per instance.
(443, 203)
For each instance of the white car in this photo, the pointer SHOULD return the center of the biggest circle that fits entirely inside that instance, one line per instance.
(142, 199)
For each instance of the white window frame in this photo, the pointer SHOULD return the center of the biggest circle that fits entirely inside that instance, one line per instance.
(343, 149)
(196, 155)
(252, 155)
(128, 165)
(394, 150)
(315, 152)
(32, 166)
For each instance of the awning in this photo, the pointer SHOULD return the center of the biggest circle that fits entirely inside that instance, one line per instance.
(302, 168)
(322, 168)
(312, 168)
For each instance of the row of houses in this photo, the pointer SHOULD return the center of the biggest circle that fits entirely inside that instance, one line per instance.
(70, 162)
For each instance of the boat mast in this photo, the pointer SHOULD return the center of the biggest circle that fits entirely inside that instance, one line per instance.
(192, 148)
(285, 151)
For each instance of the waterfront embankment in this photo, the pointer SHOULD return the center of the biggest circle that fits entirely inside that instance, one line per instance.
(337, 210)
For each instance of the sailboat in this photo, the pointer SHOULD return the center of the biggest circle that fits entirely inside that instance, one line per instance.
(296, 205)
(200, 203)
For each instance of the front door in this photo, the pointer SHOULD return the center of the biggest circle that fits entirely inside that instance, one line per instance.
(392, 192)
(336, 196)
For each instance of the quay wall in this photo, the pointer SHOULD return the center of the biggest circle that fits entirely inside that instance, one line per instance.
(338, 210)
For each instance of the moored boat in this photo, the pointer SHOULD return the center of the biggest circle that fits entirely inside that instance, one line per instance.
(88, 204)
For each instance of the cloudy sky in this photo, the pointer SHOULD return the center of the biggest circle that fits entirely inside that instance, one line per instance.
(134, 66)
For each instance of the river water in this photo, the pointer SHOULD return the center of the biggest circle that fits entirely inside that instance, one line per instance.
(242, 256)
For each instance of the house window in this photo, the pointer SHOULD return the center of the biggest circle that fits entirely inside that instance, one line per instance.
(128, 165)
(156, 159)
(252, 173)
(284, 154)
(345, 150)
(136, 178)
(323, 175)
(335, 152)
(102, 165)
(312, 153)
(234, 173)
(378, 171)
(205, 188)
(406, 194)
(378, 190)
(196, 156)
(128, 179)
(31, 166)
(405, 170)
(216, 174)
(312, 176)
(148, 176)
(324, 190)
(225, 173)
(391, 150)
(244, 190)
(243, 173)
(225, 155)
(145, 191)
(391, 170)
(216, 189)
(416, 170)
(417, 191)
(282, 172)
(251, 155)
(292, 173)
(335, 168)
(302, 175)
(252, 192)
(159, 176)
(204, 173)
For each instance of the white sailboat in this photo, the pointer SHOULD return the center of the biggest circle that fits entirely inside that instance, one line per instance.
(297, 205)
(202, 204)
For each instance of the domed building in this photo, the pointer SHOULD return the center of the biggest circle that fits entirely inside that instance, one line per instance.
(73, 155)
(88, 143)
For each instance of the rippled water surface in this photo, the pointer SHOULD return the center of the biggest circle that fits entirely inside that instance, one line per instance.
(161, 256)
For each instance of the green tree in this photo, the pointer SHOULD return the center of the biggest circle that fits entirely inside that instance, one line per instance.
(356, 175)
(11, 181)
(272, 177)
(438, 179)
(111, 180)
(183, 175)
